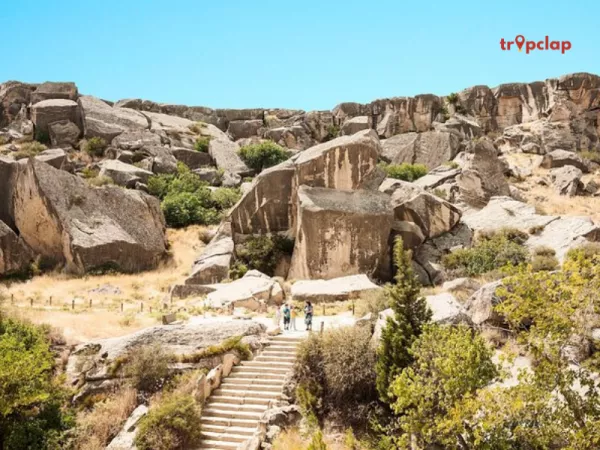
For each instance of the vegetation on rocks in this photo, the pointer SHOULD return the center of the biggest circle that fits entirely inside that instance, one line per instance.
(410, 316)
(261, 253)
(94, 146)
(187, 200)
(492, 251)
(29, 149)
(202, 144)
(264, 155)
(147, 368)
(404, 171)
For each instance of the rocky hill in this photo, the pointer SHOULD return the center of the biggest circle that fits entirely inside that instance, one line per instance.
(331, 197)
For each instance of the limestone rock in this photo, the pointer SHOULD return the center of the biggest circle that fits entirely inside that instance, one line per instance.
(14, 98)
(521, 165)
(504, 212)
(264, 209)
(8, 170)
(412, 204)
(480, 306)
(47, 112)
(355, 125)
(380, 324)
(192, 158)
(567, 180)
(431, 148)
(341, 233)
(102, 120)
(437, 177)
(294, 137)
(134, 140)
(446, 309)
(161, 160)
(125, 440)
(124, 174)
(333, 290)
(411, 234)
(246, 292)
(55, 157)
(561, 158)
(212, 266)
(239, 129)
(482, 176)
(15, 256)
(461, 284)
(209, 174)
(87, 228)
(64, 133)
(224, 152)
(53, 90)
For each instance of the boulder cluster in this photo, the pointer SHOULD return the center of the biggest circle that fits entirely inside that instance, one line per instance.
(331, 198)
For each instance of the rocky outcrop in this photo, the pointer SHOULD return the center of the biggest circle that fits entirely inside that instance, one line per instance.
(123, 174)
(355, 125)
(212, 266)
(334, 290)
(46, 112)
(480, 306)
(125, 440)
(86, 228)
(54, 90)
(567, 180)
(64, 133)
(14, 98)
(482, 175)
(192, 158)
(341, 233)
(55, 157)
(251, 291)
(107, 122)
(561, 158)
(15, 256)
(8, 169)
(430, 148)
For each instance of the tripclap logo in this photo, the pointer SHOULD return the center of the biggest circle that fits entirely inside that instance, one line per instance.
(545, 44)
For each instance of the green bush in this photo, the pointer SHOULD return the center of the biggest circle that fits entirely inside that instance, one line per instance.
(492, 250)
(202, 144)
(224, 198)
(263, 155)
(335, 373)
(186, 208)
(158, 185)
(404, 171)
(147, 367)
(31, 402)
(173, 424)
(263, 253)
(453, 98)
(95, 146)
(333, 131)
(100, 181)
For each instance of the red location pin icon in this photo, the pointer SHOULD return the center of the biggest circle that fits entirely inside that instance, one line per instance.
(520, 40)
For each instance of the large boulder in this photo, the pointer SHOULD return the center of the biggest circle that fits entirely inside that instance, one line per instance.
(341, 233)
(64, 133)
(567, 180)
(433, 215)
(480, 306)
(265, 209)
(192, 158)
(54, 90)
(294, 137)
(355, 125)
(15, 256)
(561, 158)
(124, 174)
(482, 175)
(107, 122)
(431, 148)
(445, 309)
(333, 290)
(47, 112)
(250, 291)
(224, 151)
(8, 169)
(87, 228)
(14, 98)
(135, 140)
(56, 157)
(160, 159)
(240, 129)
(212, 266)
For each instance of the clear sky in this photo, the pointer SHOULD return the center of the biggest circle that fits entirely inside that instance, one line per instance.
(309, 54)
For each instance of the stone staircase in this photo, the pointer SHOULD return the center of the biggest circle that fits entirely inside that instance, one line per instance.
(232, 413)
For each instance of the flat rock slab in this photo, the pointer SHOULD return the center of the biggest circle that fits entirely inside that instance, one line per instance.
(107, 122)
(446, 309)
(334, 290)
(503, 212)
(247, 292)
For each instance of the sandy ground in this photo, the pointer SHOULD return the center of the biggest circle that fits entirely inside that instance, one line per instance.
(54, 294)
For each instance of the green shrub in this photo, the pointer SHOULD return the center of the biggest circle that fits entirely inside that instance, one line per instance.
(158, 185)
(542, 262)
(147, 367)
(317, 442)
(333, 131)
(187, 208)
(493, 250)
(263, 155)
(88, 173)
(29, 149)
(202, 144)
(453, 98)
(262, 253)
(95, 146)
(42, 136)
(452, 164)
(100, 181)
(404, 171)
(197, 127)
(225, 198)
(173, 424)
(237, 270)
(593, 156)
(335, 373)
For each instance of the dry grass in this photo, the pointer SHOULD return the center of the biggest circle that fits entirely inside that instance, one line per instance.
(97, 427)
(149, 288)
(292, 439)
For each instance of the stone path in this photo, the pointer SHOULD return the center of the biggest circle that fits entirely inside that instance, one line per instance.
(232, 413)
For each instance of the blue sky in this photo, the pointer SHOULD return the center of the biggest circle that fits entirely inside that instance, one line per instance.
(306, 54)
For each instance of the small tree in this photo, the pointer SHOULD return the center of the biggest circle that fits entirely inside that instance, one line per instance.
(410, 315)
(263, 155)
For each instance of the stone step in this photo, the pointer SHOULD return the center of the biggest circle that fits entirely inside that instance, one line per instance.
(233, 407)
(276, 359)
(242, 400)
(229, 430)
(269, 366)
(239, 379)
(210, 444)
(238, 391)
(276, 353)
(226, 385)
(257, 373)
(224, 437)
(249, 415)
(229, 422)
